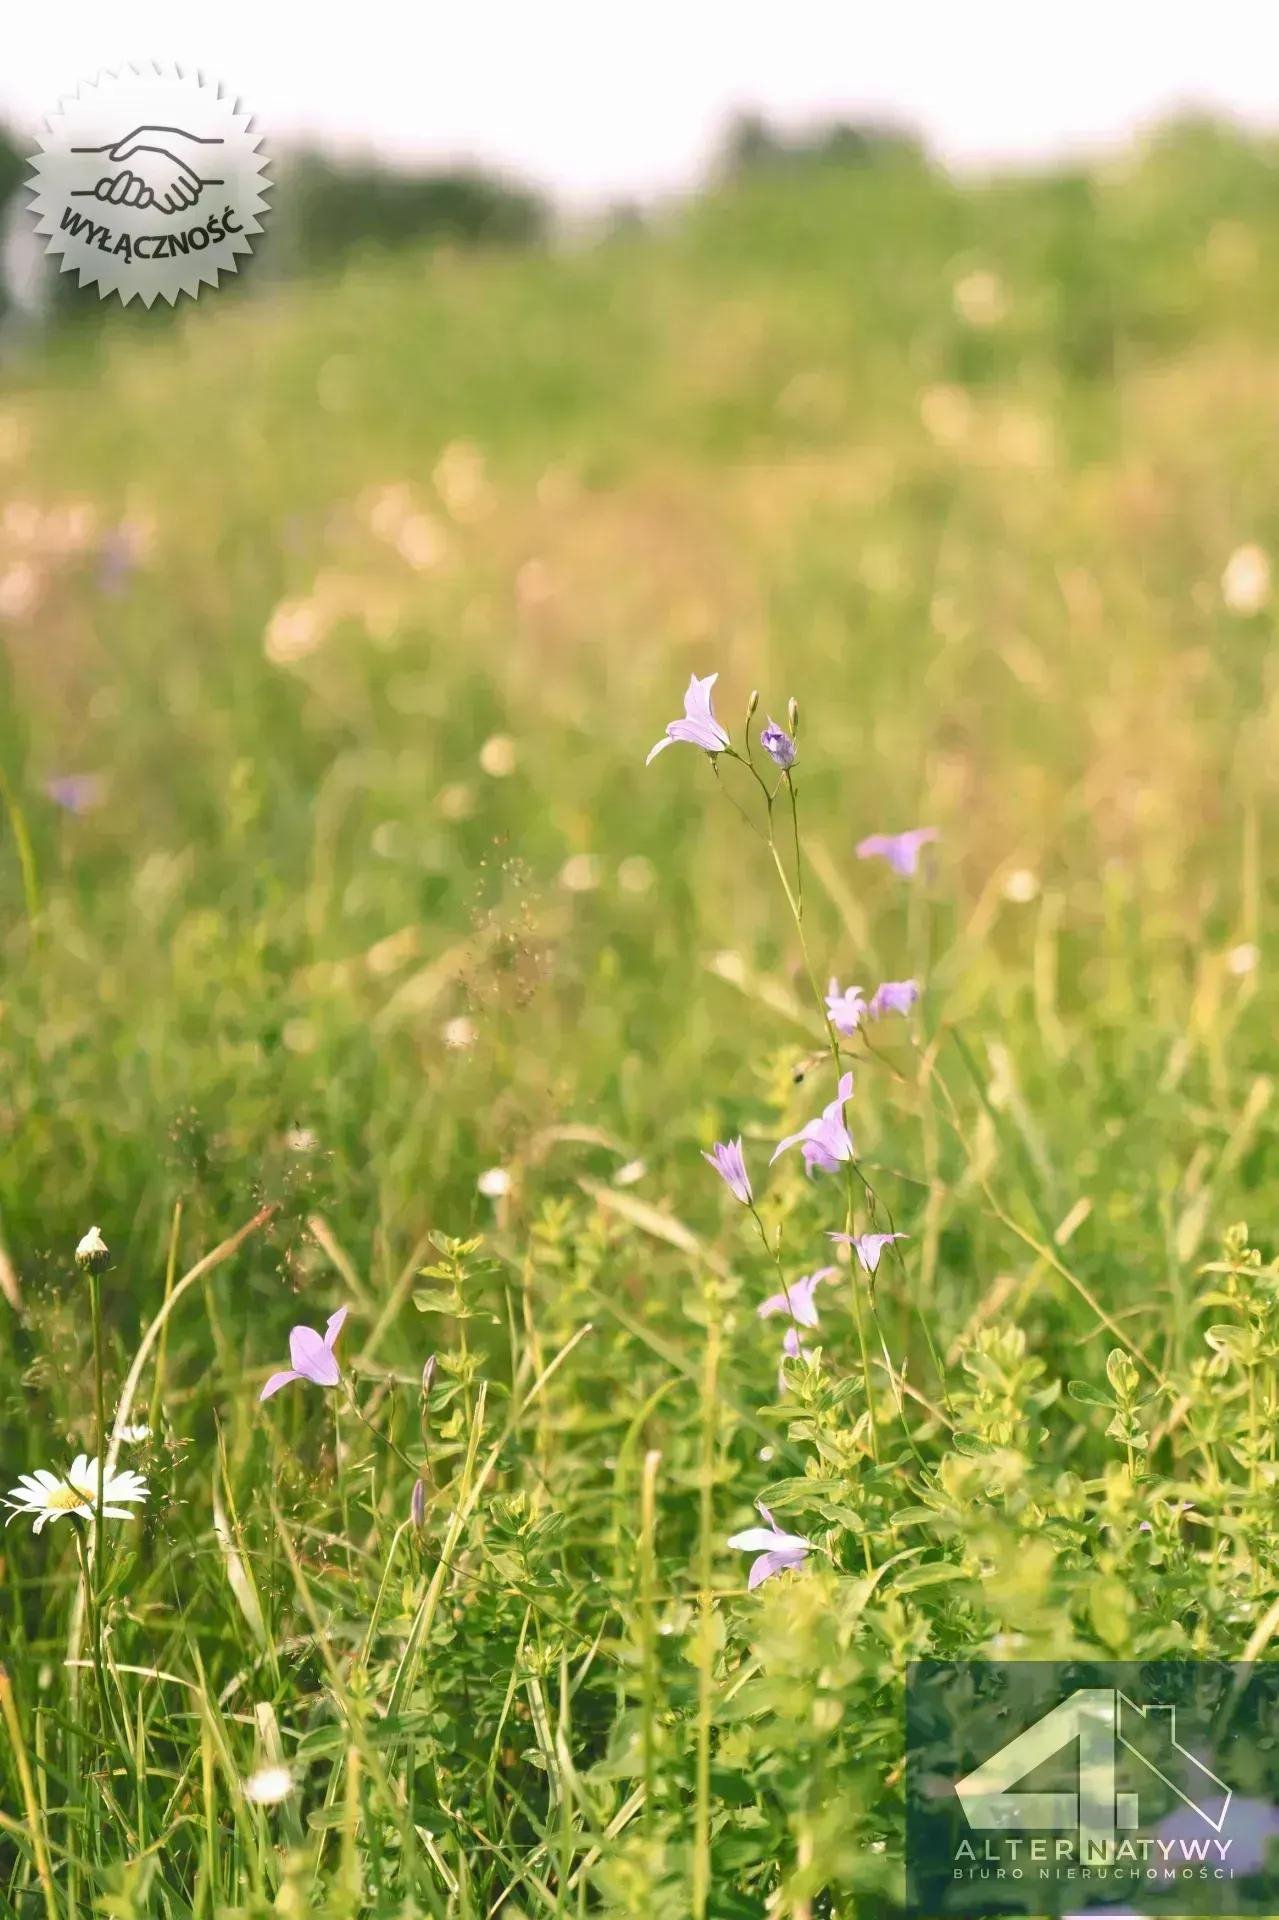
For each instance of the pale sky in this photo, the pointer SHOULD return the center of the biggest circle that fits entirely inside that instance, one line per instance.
(600, 99)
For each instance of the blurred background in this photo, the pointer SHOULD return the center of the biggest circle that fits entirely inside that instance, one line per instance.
(490, 123)
(915, 362)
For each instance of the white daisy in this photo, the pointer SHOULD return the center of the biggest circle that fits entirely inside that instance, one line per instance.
(47, 1497)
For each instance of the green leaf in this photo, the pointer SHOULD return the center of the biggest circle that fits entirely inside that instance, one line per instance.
(933, 1574)
(1089, 1396)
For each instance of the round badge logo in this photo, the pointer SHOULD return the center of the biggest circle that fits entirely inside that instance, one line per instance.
(149, 184)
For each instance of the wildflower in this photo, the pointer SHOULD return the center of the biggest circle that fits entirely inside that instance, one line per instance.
(699, 727)
(777, 1551)
(494, 1183)
(901, 850)
(778, 745)
(92, 1252)
(797, 1299)
(580, 873)
(134, 1434)
(1245, 583)
(628, 1175)
(1021, 886)
(268, 1786)
(312, 1357)
(729, 1163)
(793, 1348)
(868, 1246)
(417, 1505)
(458, 1034)
(894, 996)
(826, 1141)
(846, 1007)
(295, 629)
(1243, 959)
(47, 1497)
(76, 793)
(498, 756)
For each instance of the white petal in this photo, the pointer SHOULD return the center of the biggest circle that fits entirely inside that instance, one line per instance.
(756, 1540)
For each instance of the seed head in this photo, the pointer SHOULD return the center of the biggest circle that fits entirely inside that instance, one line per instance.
(92, 1252)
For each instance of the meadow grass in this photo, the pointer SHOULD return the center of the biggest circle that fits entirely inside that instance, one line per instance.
(363, 603)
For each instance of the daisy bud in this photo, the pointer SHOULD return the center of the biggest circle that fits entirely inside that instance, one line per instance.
(92, 1252)
(417, 1506)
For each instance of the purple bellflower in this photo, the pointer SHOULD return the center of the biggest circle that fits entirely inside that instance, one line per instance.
(76, 793)
(312, 1357)
(868, 1246)
(901, 850)
(730, 1164)
(797, 1302)
(793, 1348)
(825, 1142)
(846, 1008)
(777, 1551)
(699, 727)
(778, 745)
(894, 996)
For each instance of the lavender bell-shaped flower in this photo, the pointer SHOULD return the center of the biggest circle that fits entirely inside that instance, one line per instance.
(793, 1348)
(777, 1552)
(868, 1247)
(312, 1357)
(729, 1163)
(797, 1301)
(845, 1006)
(825, 1142)
(699, 727)
(894, 996)
(901, 850)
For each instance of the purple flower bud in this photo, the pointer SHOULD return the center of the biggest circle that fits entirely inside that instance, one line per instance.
(730, 1164)
(778, 745)
(417, 1506)
(428, 1375)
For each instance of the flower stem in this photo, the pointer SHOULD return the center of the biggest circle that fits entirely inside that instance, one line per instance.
(99, 1502)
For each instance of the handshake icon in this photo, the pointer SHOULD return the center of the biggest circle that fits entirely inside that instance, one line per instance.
(152, 167)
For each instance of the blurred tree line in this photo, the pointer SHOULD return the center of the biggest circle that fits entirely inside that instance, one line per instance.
(753, 145)
(327, 209)
(325, 212)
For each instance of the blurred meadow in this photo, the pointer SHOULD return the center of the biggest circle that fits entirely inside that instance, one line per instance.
(336, 620)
